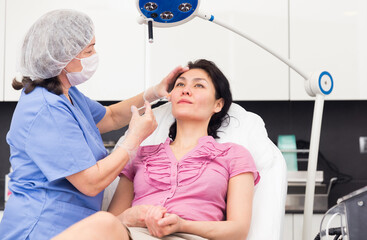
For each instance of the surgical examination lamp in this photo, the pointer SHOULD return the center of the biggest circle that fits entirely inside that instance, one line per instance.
(169, 13)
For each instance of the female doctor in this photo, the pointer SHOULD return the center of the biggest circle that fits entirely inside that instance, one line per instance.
(60, 166)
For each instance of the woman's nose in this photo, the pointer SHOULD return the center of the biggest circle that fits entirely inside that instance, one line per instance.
(186, 91)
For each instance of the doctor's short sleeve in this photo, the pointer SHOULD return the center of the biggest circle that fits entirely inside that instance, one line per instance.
(57, 144)
(98, 110)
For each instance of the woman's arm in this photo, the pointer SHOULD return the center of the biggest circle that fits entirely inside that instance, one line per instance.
(239, 208)
(118, 115)
(123, 196)
(120, 205)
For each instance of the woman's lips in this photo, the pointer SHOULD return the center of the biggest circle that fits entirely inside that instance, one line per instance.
(184, 101)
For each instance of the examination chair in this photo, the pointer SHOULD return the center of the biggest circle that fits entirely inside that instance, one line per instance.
(247, 129)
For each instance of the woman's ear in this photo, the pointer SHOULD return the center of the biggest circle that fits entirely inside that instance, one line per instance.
(219, 103)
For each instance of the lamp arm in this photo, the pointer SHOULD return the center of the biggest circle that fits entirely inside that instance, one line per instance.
(261, 45)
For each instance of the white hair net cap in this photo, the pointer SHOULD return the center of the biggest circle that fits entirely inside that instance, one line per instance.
(53, 41)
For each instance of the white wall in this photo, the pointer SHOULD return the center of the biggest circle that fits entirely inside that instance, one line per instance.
(119, 41)
(328, 35)
(121, 44)
(253, 72)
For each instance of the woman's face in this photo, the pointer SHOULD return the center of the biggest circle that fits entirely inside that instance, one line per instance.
(193, 97)
(75, 65)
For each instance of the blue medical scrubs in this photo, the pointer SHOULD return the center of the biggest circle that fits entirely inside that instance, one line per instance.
(50, 139)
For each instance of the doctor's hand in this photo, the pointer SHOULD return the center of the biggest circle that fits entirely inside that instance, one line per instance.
(140, 127)
(161, 89)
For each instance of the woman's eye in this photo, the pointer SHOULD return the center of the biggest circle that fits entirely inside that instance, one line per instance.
(199, 85)
(179, 84)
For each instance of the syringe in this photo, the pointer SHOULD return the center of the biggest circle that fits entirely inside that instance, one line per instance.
(154, 102)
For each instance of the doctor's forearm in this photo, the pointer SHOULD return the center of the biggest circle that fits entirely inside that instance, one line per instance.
(93, 180)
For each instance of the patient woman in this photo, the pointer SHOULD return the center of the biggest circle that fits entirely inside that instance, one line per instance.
(190, 186)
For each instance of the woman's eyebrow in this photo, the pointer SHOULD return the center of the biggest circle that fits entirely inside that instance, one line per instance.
(199, 79)
(194, 79)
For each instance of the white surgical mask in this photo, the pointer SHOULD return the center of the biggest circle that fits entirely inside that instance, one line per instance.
(89, 64)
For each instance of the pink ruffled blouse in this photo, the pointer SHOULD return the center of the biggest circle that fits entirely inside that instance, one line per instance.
(194, 188)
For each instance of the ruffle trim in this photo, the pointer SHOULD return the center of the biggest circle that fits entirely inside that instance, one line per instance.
(158, 161)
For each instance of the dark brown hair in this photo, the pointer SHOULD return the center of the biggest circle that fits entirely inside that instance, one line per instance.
(51, 84)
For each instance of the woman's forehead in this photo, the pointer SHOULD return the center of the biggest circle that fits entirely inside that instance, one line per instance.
(195, 74)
